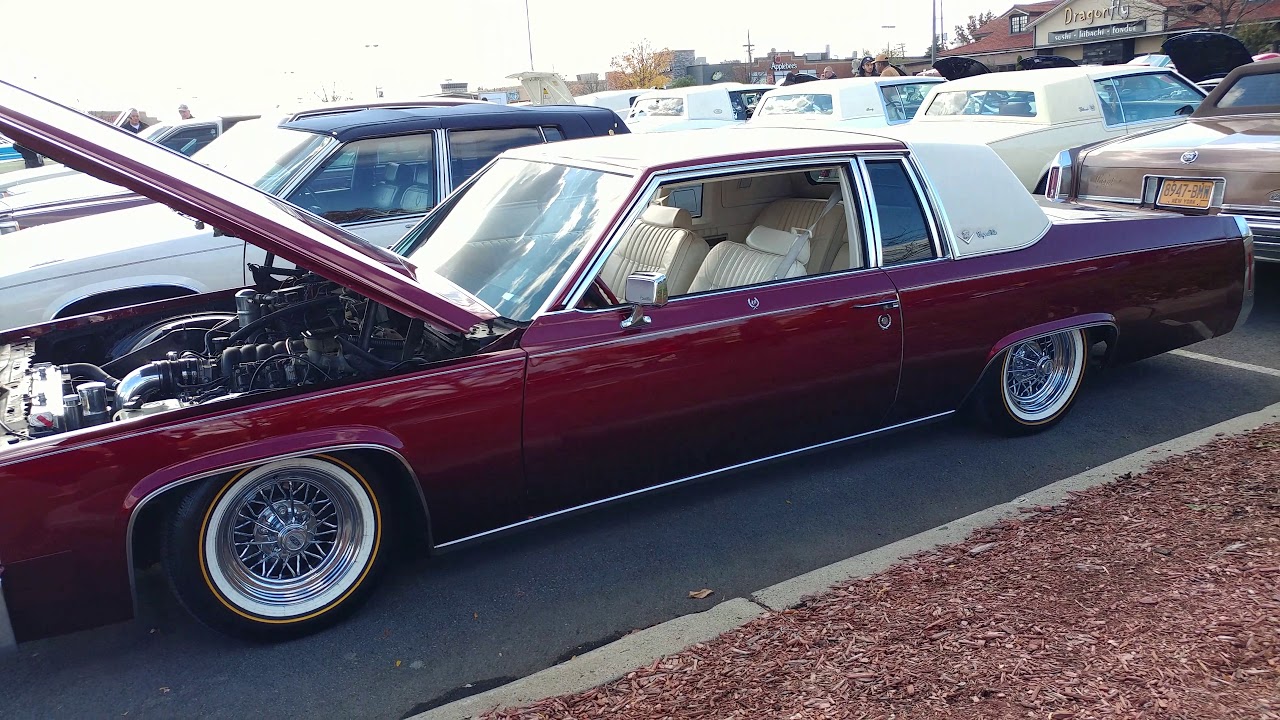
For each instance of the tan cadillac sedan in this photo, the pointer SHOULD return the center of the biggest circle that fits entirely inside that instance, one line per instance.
(1227, 154)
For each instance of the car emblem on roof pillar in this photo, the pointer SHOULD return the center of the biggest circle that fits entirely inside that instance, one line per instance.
(1189, 157)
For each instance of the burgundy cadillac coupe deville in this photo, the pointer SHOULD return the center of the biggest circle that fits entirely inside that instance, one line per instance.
(579, 322)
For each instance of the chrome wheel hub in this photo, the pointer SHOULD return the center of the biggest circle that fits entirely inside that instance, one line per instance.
(289, 537)
(1040, 375)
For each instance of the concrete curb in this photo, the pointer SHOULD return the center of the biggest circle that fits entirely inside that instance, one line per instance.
(638, 649)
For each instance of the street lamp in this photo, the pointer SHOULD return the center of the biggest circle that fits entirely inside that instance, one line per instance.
(528, 28)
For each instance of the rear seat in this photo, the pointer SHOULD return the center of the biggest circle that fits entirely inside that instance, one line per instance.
(829, 237)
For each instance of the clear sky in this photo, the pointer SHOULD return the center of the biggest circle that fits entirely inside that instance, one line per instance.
(257, 54)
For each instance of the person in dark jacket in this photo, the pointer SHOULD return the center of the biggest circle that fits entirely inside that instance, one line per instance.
(133, 123)
(30, 157)
(867, 68)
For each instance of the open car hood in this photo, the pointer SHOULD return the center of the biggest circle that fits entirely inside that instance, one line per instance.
(1038, 62)
(1202, 55)
(954, 68)
(121, 158)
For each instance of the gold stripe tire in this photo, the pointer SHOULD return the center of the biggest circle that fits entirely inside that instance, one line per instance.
(278, 550)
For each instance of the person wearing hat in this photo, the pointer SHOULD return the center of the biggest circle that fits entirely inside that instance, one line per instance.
(884, 68)
(866, 68)
(184, 112)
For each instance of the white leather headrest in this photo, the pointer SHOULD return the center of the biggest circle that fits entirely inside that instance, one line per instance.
(425, 174)
(777, 242)
(665, 216)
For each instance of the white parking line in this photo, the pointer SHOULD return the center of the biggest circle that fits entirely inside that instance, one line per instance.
(1228, 363)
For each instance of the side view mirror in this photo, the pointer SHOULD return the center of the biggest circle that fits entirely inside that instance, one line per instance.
(644, 289)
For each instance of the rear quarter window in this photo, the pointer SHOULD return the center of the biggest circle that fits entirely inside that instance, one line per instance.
(1253, 91)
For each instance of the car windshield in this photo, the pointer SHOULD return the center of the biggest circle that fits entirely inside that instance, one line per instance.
(264, 155)
(509, 236)
(1253, 91)
(796, 104)
(658, 107)
(1008, 103)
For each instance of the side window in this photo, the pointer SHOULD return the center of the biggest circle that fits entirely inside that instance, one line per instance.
(1155, 96)
(552, 133)
(373, 178)
(470, 150)
(904, 227)
(1109, 101)
(757, 235)
(188, 140)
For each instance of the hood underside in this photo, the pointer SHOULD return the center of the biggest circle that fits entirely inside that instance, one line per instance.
(121, 158)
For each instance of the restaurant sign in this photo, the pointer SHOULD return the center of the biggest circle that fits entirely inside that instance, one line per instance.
(1103, 32)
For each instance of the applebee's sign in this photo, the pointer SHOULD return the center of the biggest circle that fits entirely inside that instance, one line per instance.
(1118, 11)
(778, 64)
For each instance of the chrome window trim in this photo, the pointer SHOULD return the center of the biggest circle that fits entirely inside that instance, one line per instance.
(932, 209)
(443, 159)
(925, 207)
(586, 272)
(1119, 105)
(1246, 209)
(137, 509)
(8, 642)
(710, 473)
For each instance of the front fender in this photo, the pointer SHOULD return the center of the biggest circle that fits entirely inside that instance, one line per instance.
(254, 453)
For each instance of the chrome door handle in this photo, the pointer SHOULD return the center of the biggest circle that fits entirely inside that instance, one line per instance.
(890, 303)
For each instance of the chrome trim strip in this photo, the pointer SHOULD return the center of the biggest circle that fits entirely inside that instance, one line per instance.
(709, 473)
(1109, 199)
(877, 249)
(1246, 303)
(8, 643)
(1246, 209)
(444, 166)
(137, 509)
(914, 173)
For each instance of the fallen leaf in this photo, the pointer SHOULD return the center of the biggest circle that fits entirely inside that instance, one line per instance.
(475, 616)
(700, 594)
(398, 663)
(1148, 599)
(164, 691)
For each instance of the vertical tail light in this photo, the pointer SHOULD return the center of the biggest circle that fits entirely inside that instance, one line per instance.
(1058, 183)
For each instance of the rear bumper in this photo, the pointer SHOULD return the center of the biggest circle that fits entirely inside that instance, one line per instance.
(7, 641)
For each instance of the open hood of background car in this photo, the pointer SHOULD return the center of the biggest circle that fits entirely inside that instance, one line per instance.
(954, 68)
(1038, 62)
(121, 158)
(1202, 54)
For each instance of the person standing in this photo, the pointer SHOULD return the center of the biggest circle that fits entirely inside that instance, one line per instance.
(184, 112)
(867, 68)
(30, 158)
(884, 68)
(133, 123)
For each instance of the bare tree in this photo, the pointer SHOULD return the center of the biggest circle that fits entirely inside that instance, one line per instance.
(1221, 15)
(965, 32)
(642, 67)
(585, 87)
(331, 93)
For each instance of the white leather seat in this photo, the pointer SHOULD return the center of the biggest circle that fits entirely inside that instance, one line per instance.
(420, 196)
(828, 238)
(661, 240)
(731, 264)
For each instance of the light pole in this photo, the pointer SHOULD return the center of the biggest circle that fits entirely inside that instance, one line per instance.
(528, 28)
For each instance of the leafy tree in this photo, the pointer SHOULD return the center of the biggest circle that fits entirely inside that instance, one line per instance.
(1258, 37)
(964, 33)
(686, 81)
(642, 66)
(938, 46)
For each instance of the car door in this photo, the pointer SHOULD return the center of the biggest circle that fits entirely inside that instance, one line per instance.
(1153, 100)
(715, 378)
(376, 188)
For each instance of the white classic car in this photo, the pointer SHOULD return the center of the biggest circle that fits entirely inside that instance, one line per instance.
(690, 108)
(1027, 117)
(861, 102)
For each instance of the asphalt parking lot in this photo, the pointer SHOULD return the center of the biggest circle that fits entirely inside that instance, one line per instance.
(489, 613)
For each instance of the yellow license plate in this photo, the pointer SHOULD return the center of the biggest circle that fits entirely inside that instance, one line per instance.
(1186, 194)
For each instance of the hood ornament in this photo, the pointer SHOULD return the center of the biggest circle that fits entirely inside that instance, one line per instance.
(1189, 157)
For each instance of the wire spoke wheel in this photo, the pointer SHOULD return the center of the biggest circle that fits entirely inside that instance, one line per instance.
(1040, 376)
(290, 538)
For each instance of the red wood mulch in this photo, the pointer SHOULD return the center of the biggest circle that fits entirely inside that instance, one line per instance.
(1157, 596)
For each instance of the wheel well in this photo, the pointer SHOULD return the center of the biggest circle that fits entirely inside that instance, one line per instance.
(405, 500)
(1107, 335)
(123, 298)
